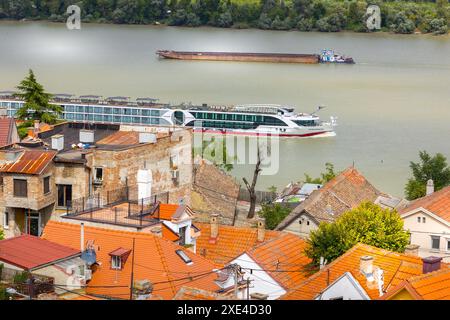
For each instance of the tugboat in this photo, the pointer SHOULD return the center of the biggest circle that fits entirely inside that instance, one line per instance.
(329, 56)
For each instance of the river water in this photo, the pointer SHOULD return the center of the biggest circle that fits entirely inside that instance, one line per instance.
(392, 103)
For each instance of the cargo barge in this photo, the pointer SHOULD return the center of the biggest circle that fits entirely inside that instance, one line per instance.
(327, 56)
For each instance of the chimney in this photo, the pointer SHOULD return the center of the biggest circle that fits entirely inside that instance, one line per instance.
(214, 221)
(144, 182)
(147, 137)
(261, 233)
(258, 296)
(412, 250)
(82, 237)
(36, 126)
(430, 187)
(31, 133)
(366, 265)
(58, 142)
(431, 264)
(87, 136)
(329, 209)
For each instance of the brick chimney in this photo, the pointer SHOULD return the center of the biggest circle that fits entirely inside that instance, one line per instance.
(261, 226)
(431, 264)
(366, 265)
(412, 250)
(430, 187)
(214, 221)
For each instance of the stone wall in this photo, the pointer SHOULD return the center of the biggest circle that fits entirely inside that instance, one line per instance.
(36, 199)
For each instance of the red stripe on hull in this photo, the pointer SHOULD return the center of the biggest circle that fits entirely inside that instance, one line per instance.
(259, 134)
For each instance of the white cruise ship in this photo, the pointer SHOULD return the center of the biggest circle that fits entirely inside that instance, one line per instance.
(255, 119)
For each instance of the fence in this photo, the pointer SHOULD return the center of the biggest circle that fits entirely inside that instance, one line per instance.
(119, 207)
(261, 196)
(110, 198)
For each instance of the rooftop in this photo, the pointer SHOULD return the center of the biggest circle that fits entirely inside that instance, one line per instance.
(30, 252)
(284, 259)
(396, 266)
(340, 194)
(438, 203)
(155, 259)
(29, 162)
(189, 293)
(230, 243)
(7, 127)
(431, 286)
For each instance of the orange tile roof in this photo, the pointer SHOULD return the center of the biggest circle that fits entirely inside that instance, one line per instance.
(168, 233)
(438, 203)
(7, 125)
(230, 243)
(188, 293)
(284, 259)
(342, 193)
(396, 267)
(29, 162)
(166, 211)
(155, 260)
(431, 286)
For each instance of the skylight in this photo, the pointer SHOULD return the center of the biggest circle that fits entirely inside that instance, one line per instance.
(184, 256)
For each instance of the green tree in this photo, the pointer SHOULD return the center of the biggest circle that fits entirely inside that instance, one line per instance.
(368, 223)
(274, 214)
(428, 167)
(324, 176)
(1, 234)
(36, 106)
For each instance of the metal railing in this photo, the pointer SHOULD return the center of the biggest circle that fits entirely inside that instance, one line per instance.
(119, 207)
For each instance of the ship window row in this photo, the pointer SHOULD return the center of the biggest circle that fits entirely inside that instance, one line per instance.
(306, 123)
(97, 110)
(111, 110)
(223, 124)
(258, 119)
(115, 119)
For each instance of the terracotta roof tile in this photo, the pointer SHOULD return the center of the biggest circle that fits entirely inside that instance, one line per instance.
(344, 192)
(166, 211)
(6, 125)
(438, 203)
(431, 286)
(29, 162)
(230, 243)
(396, 266)
(29, 252)
(284, 259)
(155, 260)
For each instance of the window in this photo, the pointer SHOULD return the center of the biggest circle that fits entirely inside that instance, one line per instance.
(6, 220)
(300, 221)
(435, 242)
(423, 220)
(182, 233)
(448, 245)
(64, 195)
(183, 256)
(46, 185)
(418, 219)
(98, 175)
(116, 262)
(307, 223)
(20, 188)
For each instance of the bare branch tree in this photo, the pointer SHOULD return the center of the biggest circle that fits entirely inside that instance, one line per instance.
(251, 188)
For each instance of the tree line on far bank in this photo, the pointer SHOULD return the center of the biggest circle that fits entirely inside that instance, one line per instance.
(303, 15)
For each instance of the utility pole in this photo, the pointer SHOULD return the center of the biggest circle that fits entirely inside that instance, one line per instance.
(132, 274)
(235, 268)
